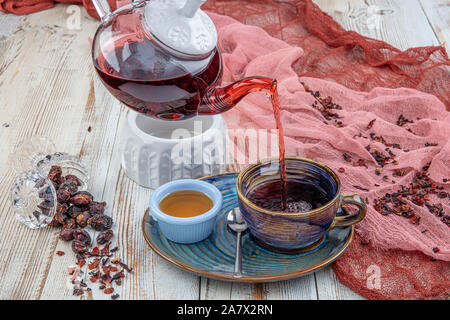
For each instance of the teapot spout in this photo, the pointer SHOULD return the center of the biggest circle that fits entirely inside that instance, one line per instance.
(219, 100)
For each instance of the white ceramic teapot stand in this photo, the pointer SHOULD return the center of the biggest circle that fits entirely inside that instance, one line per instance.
(157, 151)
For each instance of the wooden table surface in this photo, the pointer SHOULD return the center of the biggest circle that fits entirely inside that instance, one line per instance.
(48, 87)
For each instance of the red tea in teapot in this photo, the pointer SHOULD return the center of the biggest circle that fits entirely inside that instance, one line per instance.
(153, 83)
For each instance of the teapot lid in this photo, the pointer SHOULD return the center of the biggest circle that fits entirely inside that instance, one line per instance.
(180, 26)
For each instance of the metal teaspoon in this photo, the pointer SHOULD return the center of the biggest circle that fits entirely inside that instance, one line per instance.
(237, 224)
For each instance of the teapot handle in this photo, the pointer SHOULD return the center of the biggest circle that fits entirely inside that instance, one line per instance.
(191, 7)
(102, 7)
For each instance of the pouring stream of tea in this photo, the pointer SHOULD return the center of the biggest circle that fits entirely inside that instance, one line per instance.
(276, 110)
(229, 96)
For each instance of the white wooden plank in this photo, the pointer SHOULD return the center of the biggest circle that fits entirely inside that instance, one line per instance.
(438, 14)
(75, 88)
(401, 23)
(26, 254)
(329, 287)
(303, 288)
(95, 150)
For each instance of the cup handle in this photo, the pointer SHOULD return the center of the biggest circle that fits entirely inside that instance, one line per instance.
(345, 221)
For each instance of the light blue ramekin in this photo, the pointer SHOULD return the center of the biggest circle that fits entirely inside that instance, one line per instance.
(186, 230)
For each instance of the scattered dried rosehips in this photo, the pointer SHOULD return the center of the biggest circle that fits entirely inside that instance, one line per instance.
(101, 222)
(97, 208)
(74, 179)
(402, 121)
(347, 157)
(60, 215)
(70, 224)
(79, 246)
(70, 186)
(94, 264)
(62, 195)
(67, 234)
(370, 125)
(83, 218)
(82, 235)
(108, 290)
(55, 174)
(105, 236)
(74, 211)
(81, 199)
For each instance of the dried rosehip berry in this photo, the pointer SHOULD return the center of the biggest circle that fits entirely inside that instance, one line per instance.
(82, 235)
(79, 246)
(60, 218)
(94, 264)
(74, 211)
(81, 199)
(55, 174)
(70, 186)
(74, 179)
(62, 195)
(67, 234)
(70, 223)
(108, 290)
(54, 223)
(97, 208)
(60, 215)
(83, 218)
(78, 292)
(36, 214)
(46, 194)
(105, 236)
(101, 222)
(45, 206)
(62, 208)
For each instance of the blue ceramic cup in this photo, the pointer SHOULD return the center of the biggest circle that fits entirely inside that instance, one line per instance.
(297, 231)
(186, 230)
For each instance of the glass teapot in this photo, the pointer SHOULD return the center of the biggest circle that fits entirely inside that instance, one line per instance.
(161, 59)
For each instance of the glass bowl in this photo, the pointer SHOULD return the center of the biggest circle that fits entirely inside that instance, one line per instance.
(33, 194)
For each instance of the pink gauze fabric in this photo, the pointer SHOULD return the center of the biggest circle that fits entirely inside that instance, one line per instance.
(249, 50)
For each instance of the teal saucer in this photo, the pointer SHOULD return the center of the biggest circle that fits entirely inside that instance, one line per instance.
(214, 257)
